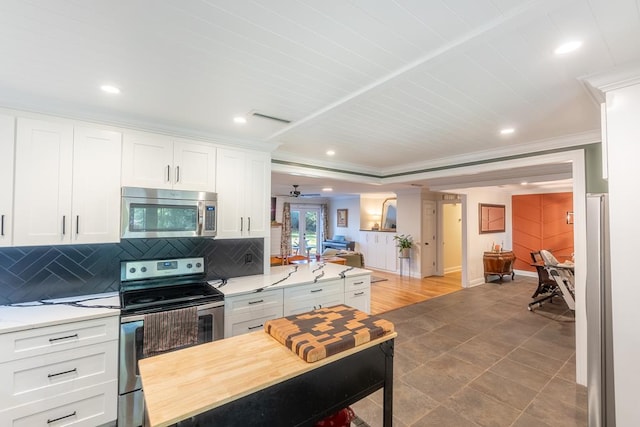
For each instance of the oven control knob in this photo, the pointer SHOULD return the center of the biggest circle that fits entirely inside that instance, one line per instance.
(143, 269)
(198, 265)
(132, 270)
(189, 265)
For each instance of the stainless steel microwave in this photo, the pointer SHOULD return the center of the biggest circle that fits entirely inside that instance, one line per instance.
(151, 213)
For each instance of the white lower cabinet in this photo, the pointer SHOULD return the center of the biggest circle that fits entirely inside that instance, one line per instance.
(247, 313)
(357, 292)
(299, 299)
(60, 375)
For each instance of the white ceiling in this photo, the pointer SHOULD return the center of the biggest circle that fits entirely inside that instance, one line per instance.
(391, 85)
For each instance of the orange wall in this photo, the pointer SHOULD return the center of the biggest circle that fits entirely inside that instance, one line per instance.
(540, 222)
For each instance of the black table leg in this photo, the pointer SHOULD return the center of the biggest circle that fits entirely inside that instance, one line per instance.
(387, 402)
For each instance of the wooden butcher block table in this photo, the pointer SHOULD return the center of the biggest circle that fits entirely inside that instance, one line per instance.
(254, 380)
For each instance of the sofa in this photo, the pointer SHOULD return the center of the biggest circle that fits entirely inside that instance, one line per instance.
(353, 259)
(338, 242)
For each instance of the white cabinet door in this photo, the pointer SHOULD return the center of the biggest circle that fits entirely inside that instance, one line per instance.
(156, 161)
(67, 187)
(194, 166)
(97, 156)
(7, 139)
(357, 292)
(379, 250)
(147, 160)
(230, 186)
(303, 298)
(43, 172)
(258, 191)
(390, 253)
(243, 181)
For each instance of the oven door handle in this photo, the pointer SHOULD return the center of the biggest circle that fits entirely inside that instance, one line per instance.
(126, 318)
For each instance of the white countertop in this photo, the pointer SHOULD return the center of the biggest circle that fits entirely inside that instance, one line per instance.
(289, 275)
(29, 315)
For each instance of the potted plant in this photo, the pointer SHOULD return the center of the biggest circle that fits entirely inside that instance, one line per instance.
(404, 243)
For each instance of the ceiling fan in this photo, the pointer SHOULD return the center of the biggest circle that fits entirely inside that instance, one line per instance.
(297, 193)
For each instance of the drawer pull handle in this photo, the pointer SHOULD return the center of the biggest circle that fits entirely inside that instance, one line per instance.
(51, 340)
(251, 328)
(73, 414)
(256, 302)
(62, 373)
(358, 283)
(313, 291)
(357, 294)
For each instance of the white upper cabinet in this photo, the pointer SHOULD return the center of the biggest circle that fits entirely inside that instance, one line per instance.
(96, 185)
(157, 161)
(194, 166)
(243, 187)
(7, 139)
(44, 157)
(66, 188)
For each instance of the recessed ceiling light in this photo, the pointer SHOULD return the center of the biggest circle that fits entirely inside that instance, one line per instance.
(524, 183)
(327, 189)
(507, 131)
(331, 153)
(240, 120)
(110, 89)
(568, 47)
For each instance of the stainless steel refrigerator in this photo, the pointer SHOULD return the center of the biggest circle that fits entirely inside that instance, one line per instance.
(601, 399)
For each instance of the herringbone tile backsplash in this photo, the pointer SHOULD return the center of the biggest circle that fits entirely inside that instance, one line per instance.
(41, 272)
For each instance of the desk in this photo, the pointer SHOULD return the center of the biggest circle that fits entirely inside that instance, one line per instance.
(253, 380)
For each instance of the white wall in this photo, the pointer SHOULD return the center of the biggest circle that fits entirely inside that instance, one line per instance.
(474, 243)
(409, 222)
(352, 231)
(623, 134)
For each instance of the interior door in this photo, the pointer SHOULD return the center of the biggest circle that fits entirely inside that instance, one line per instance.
(305, 230)
(428, 253)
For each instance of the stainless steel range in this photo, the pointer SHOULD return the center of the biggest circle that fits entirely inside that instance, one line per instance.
(150, 287)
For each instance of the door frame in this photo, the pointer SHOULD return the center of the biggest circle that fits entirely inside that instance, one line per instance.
(303, 209)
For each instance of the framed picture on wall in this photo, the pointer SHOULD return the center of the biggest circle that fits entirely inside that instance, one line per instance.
(491, 218)
(343, 217)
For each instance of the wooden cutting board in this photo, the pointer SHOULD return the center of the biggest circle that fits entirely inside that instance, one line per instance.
(326, 331)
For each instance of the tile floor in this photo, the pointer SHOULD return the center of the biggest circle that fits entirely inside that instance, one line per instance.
(478, 357)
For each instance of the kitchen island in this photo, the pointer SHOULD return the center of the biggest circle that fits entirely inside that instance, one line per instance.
(290, 289)
(253, 380)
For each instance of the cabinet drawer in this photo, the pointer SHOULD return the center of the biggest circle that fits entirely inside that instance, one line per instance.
(87, 407)
(302, 305)
(32, 342)
(357, 282)
(314, 290)
(252, 302)
(238, 325)
(36, 378)
(359, 298)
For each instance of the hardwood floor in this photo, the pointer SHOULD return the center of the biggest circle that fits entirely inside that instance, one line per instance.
(396, 291)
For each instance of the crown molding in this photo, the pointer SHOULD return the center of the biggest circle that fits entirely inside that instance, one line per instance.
(615, 78)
